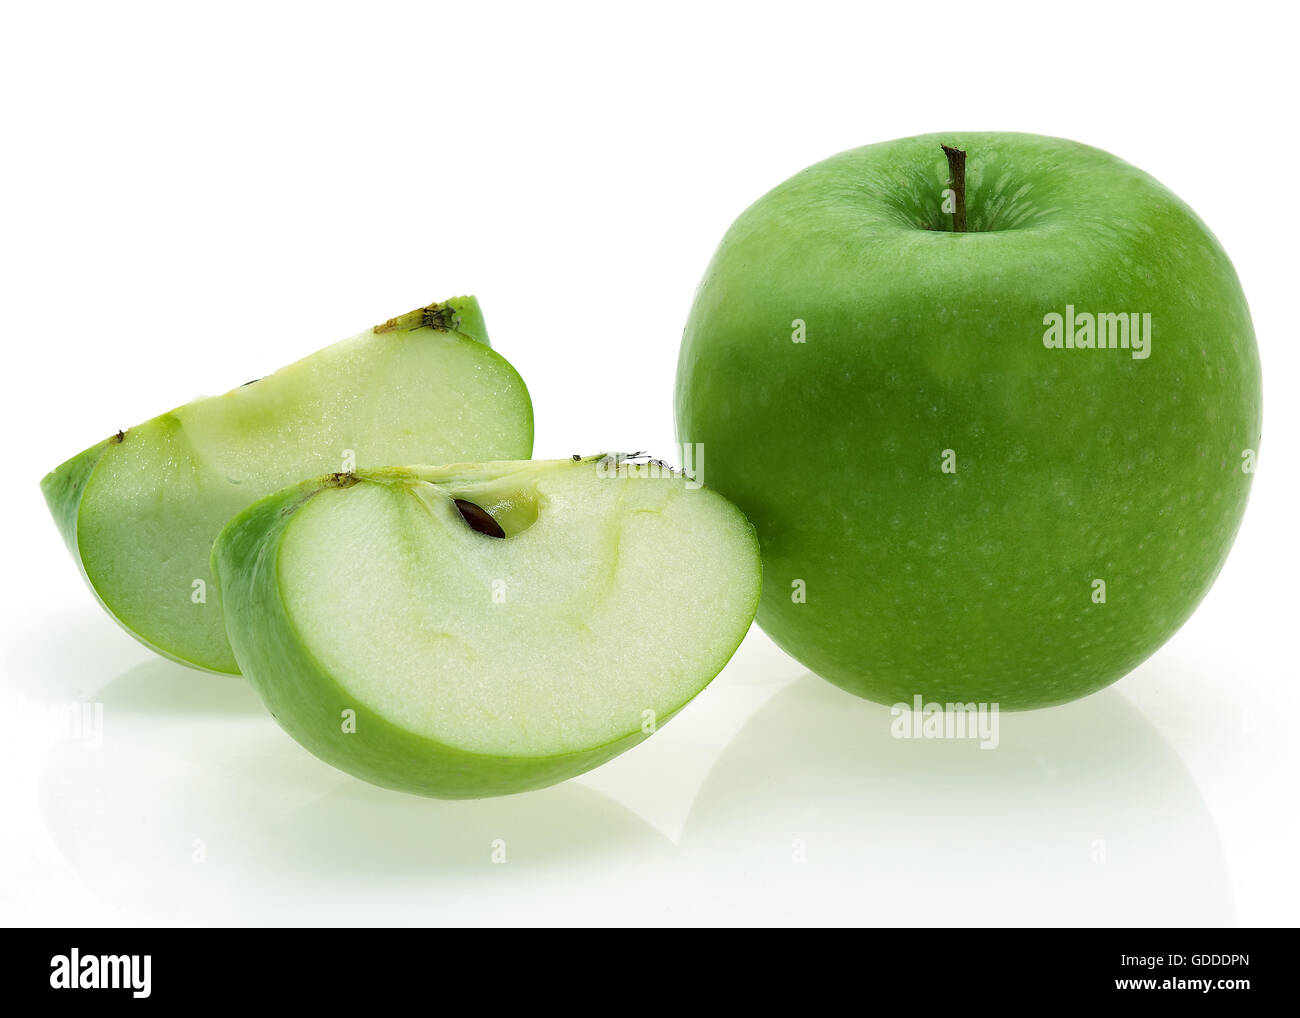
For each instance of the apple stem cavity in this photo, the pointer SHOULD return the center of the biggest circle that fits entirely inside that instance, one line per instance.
(957, 177)
(479, 519)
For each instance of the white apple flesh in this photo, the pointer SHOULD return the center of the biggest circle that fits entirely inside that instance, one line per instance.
(394, 632)
(139, 511)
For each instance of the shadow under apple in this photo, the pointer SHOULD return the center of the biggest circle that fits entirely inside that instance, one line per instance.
(170, 691)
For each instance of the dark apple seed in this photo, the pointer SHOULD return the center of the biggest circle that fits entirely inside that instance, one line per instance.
(479, 518)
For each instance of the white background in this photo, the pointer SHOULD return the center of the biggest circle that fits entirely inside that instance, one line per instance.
(194, 195)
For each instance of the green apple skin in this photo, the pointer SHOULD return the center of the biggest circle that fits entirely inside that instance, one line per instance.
(139, 538)
(309, 703)
(1072, 465)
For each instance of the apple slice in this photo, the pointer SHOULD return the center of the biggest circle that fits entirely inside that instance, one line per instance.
(140, 510)
(476, 630)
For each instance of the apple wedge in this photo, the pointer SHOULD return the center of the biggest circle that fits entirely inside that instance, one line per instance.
(476, 630)
(139, 511)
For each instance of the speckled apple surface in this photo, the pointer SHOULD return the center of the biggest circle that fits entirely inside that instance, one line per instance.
(1071, 465)
(140, 510)
(477, 665)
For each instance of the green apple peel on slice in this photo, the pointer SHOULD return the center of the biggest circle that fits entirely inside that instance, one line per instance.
(396, 635)
(140, 510)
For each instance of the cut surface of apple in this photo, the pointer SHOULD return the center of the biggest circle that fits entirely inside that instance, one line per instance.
(394, 633)
(139, 511)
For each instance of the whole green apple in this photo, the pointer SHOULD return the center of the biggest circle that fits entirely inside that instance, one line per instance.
(991, 401)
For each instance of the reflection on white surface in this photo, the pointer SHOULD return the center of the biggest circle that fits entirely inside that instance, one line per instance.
(1081, 816)
(197, 808)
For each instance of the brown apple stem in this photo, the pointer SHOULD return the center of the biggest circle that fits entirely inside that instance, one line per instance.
(957, 177)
